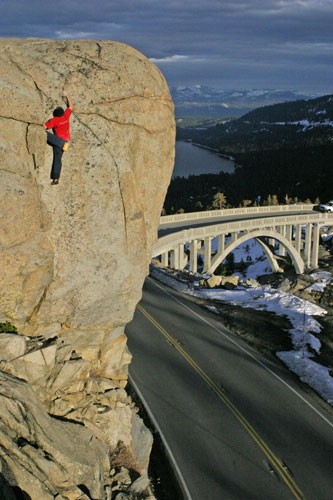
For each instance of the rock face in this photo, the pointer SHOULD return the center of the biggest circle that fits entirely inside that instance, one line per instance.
(73, 259)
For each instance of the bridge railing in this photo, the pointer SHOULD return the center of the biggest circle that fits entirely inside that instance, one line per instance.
(165, 243)
(192, 216)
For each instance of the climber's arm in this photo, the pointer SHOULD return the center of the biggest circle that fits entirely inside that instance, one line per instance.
(69, 101)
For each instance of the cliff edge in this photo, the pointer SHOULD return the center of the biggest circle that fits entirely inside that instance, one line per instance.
(73, 260)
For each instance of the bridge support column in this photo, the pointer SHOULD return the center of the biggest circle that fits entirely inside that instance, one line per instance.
(233, 237)
(207, 254)
(194, 256)
(315, 246)
(183, 258)
(220, 243)
(307, 247)
(298, 238)
(282, 251)
(165, 259)
(178, 258)
(220, 248)
(174, 258)
(289, 232)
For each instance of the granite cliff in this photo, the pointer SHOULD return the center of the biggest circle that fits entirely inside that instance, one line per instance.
(73, 260)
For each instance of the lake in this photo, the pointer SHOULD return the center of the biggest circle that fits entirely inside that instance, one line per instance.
(193, 160)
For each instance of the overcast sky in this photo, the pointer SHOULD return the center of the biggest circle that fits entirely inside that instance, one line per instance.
(227, 44)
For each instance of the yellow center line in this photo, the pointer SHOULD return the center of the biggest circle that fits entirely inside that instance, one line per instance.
(284, 473)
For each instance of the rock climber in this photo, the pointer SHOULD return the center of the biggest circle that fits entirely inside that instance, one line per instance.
(60, 137)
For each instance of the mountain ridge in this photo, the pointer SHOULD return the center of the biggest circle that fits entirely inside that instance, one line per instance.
(201, 100)
(271, 127)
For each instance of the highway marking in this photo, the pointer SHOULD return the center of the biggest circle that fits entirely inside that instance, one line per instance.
(276, 463)
(179, 474)
(232, 341)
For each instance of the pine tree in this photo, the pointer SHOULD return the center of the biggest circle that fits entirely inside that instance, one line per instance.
(272, 199)
(219, 201)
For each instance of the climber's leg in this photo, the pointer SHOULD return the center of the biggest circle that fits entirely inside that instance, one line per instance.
(57, 163)
(57, 144)
(54, 140)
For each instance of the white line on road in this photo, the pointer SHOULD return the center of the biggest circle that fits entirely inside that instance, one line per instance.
(165, 443)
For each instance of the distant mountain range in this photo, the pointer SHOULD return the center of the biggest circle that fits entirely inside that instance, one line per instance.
(271, 127)
(203, 101)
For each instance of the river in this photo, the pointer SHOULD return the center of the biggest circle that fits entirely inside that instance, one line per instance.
(194, 160)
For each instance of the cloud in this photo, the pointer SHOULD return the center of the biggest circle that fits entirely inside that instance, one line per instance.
(175, 59)
(268, 42)
(169, 59)
(73, 35)
(73, 32)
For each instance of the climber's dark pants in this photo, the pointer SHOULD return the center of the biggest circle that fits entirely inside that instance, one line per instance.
(57, 145)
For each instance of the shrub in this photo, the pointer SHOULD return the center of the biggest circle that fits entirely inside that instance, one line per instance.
(7, 327)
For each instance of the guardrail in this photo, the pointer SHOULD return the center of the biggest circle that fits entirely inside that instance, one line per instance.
(169, 219)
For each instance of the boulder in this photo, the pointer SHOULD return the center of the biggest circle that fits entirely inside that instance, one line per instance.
(300, 282)
(74, 256)
(229, 282)
(11, 346)
(213, 281)
(251, 283)
(66, 246)
(326, 299)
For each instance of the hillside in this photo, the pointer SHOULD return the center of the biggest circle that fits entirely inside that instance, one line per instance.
(290, 123)
(284, 150)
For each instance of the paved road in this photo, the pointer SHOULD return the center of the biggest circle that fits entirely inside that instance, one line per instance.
(227, 415)
(173, 227)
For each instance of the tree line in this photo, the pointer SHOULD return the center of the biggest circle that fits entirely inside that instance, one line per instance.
(277, 176)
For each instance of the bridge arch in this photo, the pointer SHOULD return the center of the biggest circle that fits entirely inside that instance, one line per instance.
(296, 233)
(261, 233)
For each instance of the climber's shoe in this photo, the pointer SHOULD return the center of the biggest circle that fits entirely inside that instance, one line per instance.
(55, 181)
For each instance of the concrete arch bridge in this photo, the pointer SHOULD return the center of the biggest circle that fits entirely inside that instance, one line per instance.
(291, 231)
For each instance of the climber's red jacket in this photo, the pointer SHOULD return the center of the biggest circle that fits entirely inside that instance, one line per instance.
(60, 125)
